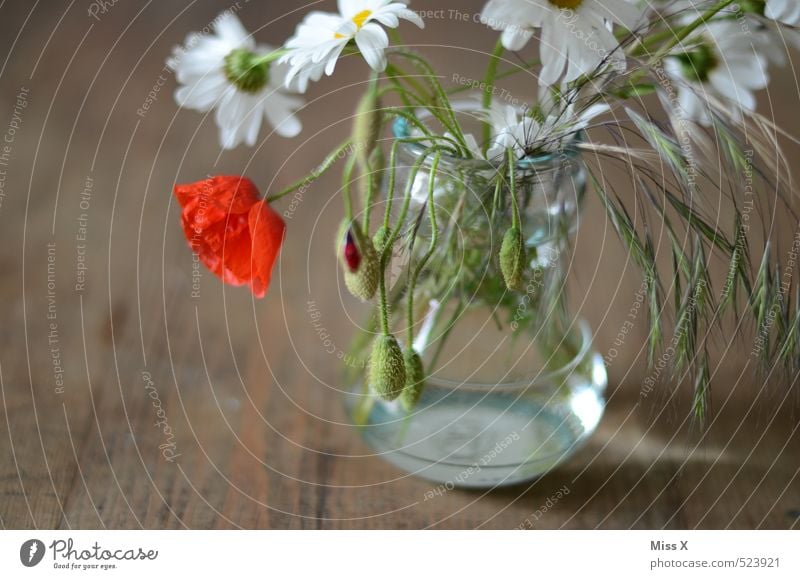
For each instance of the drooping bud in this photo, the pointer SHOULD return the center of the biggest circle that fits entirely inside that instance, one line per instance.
(352, 257)
(367, 125)
(359, 261)
(415, 380)
(387, 373)
(512, 259)
(380, 238)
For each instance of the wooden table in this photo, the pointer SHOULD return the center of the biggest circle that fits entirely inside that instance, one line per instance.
(102, 369)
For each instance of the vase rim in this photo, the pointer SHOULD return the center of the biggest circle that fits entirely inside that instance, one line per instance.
(537, 162)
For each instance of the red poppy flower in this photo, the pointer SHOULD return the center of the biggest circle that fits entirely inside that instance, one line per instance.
(236, 235)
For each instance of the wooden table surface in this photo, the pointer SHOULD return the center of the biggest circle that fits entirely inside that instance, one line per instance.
(102, 370)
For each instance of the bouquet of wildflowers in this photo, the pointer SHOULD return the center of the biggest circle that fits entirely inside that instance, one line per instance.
(665, 89)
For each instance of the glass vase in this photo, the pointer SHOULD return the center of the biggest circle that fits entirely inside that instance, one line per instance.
(512, 385)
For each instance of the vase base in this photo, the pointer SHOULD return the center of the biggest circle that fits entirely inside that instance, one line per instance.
(471, 440)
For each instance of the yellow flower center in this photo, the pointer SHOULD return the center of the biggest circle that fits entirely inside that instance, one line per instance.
(566, 4)
(360, 18)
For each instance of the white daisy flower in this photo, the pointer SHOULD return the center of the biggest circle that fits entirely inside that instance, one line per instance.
(720, 63)
(783, 11)
(516, 129)
(786, 17)
(243, 82)
(322, 36)
(576, 35)
(768, 22)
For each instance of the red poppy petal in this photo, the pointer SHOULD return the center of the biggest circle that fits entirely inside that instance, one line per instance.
(226, 248)
(267, 229)
(234, 194)
(211, 200)
(234, 234)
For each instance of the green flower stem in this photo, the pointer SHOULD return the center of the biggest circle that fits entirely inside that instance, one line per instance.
(271, 57)
(449, 124)
(512, 185)
(370, 195)
(347, 178)
(412, 283)
(382, 304)
(440, 96)
(411, 118)
(676, 37)
(323, 168)
(406, 96)
(412, 101)
(407, 198)
(393, 173)
(498, 189)
(488, 82)
(395, 37)
(500, 75)
(395, 72)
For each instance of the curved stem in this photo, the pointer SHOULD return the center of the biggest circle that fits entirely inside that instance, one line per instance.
(393, 173)
(407, 196)
(512, 185)
(347, 177)
(395, 72)
(412, 101)
(440, 95)
(676, 38)
(506, 73)
(323, 167)
(371, 186)
(432, 247)
(270, 57)
(488, 83)
(383, 305)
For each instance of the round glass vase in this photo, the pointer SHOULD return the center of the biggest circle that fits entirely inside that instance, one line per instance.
(512, 384)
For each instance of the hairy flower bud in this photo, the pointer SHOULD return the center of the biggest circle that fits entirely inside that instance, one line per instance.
(359, 261)
(367, 125)
(512, 259)
(415, 380)
(380, 238)
(387, 373)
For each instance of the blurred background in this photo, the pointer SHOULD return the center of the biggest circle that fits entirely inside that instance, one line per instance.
(103, 306)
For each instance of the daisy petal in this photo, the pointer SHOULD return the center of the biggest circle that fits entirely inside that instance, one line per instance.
(372, 41)
(516, 38)
(202, 95)
(230, 30)
(553, 53)
(349, 8)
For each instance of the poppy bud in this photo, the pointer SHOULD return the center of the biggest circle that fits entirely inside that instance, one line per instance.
(367, 124)
(380, 238)
(352, 257)
(512, 258)
(359, 261)
(415, 380)
(387, 373)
